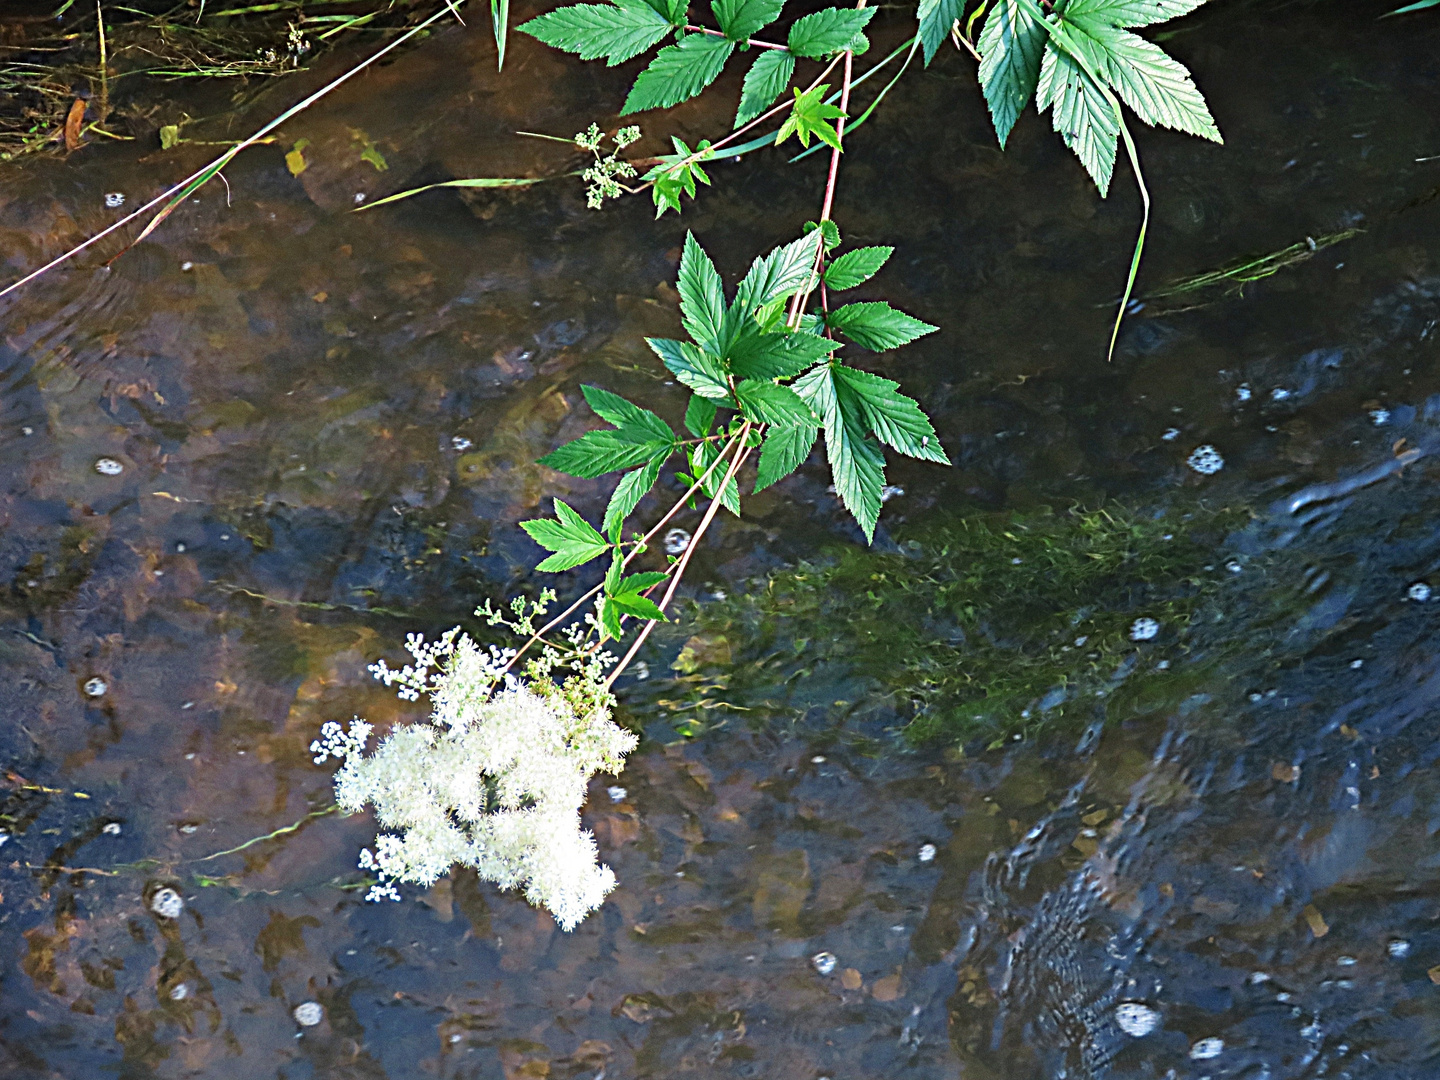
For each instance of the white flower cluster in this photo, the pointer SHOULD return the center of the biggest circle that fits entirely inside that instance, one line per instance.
(495, 780)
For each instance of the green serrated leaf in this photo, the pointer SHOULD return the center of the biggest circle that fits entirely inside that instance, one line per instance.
(693, 367)
(679, 72)
(829, 230)
(672, 11)
(877, 326)
(856, 267)
(785, 450)
(638, 583)
(571, 538)
(640, 607)
(766, 402)
(896, 420)
(676, 173)
(827, 31)
(1011, 47)
(1082, 116)
(1157, 87)
(643, 423)
(757, 355)
(632, 488)
(702, 297)
(701, 458)
(615, 31)
(766, 80)
(776, 276)
(699, 415)
(857, 463)
(615, 573)
(597, 452)
(1132, 12)
(936, 18)
(610, 620)
(807, 117)
(741, 19)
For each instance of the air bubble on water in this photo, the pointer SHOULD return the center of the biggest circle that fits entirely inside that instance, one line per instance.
(1171, 434)
(1079, 641)
(676, 541)
(1258, 977)
(1163, 665)
(824, 962)
(108, 466)
(889, 491)
(1205, 460)
(1379, 417)
(1144, 629)
(1279, 394)
(818, 759)
(1242, 392)
(641, 669)
(27, 431)
(1419, 592)
(167, 903)
(187, 266)
(1255, 695)
(96, 687)
(1206, 1049)
(359, 197)
(1234, 566)
(111, 829)
(308, 1013)
(616, 793)
(460, 443)
(1345, 961)
(455, 1038)
(1356, 665)
(179, 992)
(115, 199)
(927, 853)
(4, 838)
(1399, 949)
(1136, 1019)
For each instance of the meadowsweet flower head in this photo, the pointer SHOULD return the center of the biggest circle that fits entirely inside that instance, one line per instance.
(494, 779)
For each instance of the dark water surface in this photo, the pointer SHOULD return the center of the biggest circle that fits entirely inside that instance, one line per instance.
(327, 424)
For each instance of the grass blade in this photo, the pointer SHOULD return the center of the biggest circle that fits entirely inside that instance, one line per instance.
(500, 18)
(477, 182)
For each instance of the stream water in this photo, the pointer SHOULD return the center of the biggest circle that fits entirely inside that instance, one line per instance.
(249, 457)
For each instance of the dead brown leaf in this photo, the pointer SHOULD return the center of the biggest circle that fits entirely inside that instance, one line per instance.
(1318, 926)
(74, 121)
(886, 989)
(850, 979)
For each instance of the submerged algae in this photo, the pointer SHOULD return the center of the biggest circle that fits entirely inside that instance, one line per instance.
(996, 626)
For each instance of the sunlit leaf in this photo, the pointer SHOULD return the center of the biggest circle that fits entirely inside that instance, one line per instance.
(936, 18)
(1085, 120)
(641, 423)
(828, 30)
(856, 267)
(766, 402)
(571, 538)
(766, 80)
(616, 31)
(1011, 45)
(741, 19)
(699, 416)
(702, 297)
(877, 326)
(1157, 87)
(896, 420)
(632, 488)
(785, 450)
(694, 368)
(857, 464)
(679, 72)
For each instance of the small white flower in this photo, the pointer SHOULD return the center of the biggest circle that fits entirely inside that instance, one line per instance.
(167, 903)
(1136, 1019)
(1206, 1049)
(824, 962)
(1144, 629)
(927, 853)
(108, 466)
(1205, 460)
(308, 1013)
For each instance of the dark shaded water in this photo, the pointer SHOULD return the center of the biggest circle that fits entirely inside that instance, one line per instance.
(1249, 852)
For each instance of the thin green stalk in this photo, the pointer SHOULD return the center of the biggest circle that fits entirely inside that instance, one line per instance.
(478, 182)
(272, 835)
(500, 22)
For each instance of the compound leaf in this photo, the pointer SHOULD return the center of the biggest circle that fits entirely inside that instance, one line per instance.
(857, 464)
(571, 538)
(756, 355)
(679, 72)
(895, 419)
(1157, 87)
(1131, 12)
(641, 423)
(1085, 120)
(598, 452)
(699, 415)
(780, 274)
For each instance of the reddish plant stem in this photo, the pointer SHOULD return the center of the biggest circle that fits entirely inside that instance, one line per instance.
(735, 463)
(752, 41)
